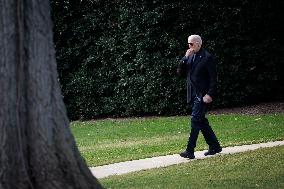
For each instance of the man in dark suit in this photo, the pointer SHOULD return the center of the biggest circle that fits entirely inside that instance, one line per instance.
(199, 68)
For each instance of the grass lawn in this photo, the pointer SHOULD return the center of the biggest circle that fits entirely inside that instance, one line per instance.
(262, 168)
(115, 140)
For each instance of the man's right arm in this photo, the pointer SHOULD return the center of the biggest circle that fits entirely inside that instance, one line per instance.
(181, 69)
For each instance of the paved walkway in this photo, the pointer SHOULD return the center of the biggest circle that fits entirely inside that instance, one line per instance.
(163, 161)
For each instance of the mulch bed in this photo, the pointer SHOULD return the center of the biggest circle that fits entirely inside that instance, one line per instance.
(263, 108)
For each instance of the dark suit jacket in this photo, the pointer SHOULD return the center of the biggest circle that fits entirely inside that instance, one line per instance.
(201, 78)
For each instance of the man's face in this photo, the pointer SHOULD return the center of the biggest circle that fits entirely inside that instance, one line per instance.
(193, 45)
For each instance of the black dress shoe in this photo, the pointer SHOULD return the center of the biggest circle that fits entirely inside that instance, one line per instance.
(187, 154)
(213, 151)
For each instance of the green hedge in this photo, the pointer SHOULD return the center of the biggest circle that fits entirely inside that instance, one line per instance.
(118, 58)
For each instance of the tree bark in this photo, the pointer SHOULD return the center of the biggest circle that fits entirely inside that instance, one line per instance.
(37, 148)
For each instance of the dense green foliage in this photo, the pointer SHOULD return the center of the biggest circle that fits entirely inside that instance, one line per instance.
(119, 58)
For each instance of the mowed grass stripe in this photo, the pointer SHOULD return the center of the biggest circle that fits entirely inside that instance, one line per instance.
(108, 141)
(262, 168)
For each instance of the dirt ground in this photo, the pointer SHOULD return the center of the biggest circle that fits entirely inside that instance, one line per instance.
(262, 108)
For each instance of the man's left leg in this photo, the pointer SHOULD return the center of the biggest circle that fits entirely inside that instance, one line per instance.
(208, 133)
(210, 138)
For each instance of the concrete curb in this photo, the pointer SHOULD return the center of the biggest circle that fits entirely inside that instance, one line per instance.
(163, 161)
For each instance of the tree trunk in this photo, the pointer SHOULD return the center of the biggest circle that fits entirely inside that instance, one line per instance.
(37, 148)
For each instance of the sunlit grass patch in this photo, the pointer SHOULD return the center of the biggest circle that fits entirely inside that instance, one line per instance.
(110, 140)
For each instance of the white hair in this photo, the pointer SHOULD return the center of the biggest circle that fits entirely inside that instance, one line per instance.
(196, 38)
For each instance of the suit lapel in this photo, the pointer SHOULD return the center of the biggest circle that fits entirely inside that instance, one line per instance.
(198, 57)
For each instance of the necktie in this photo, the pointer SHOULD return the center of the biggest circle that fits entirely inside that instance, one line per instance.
(193, 58)
(193, 63)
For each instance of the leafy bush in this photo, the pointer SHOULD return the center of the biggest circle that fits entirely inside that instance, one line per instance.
(118, 58)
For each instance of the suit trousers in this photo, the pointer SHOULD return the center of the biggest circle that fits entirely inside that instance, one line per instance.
(200, 123)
